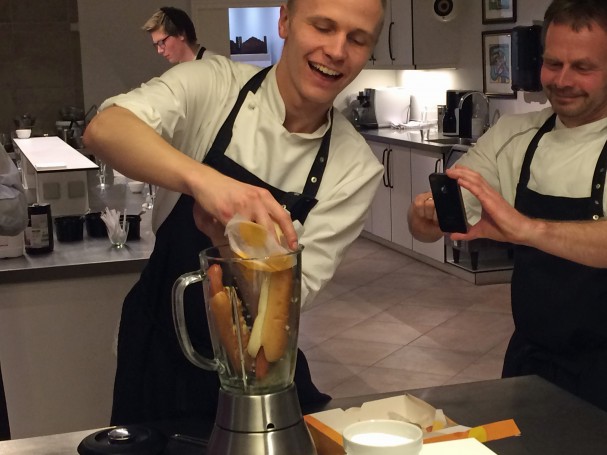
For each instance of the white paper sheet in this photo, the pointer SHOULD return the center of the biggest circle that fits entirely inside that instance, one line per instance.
(469, 446)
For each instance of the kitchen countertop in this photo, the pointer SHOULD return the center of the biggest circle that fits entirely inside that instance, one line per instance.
(551, 420)
(409, 138)
(91, 256)
(95, 255)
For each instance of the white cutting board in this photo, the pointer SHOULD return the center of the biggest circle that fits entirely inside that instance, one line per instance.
(469, 446)
(47, 154)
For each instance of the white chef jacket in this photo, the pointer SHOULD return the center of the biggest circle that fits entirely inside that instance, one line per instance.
(563, 164)
(187, 106)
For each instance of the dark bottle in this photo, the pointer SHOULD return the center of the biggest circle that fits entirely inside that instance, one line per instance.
(449, 123)
(39, 231)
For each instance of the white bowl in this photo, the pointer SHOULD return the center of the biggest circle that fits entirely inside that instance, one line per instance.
(382, 437)
(24, 134)
(135, 187)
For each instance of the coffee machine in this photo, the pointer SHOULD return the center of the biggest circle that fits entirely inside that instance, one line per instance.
(363, 112)
(458, 122)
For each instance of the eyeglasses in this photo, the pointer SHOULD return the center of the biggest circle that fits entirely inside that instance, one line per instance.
(161, 43)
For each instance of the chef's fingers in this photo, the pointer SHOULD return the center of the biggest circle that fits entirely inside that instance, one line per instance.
(423, 205)
(209, 225)
(276, 214)
(430, 209)
(283, 219)
(229, 197)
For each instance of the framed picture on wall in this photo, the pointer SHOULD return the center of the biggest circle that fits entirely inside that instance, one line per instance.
(499, 11)
(497, 64)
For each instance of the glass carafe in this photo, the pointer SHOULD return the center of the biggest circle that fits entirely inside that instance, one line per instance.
(253, 308)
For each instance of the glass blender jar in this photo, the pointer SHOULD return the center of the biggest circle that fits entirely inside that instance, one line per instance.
(253, 309)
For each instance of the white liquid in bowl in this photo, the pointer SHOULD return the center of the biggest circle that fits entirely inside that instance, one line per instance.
(380, 439)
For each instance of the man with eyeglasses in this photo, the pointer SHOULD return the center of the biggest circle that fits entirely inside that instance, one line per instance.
(174, 36)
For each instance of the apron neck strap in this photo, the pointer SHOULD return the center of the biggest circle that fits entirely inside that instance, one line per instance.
(224, 136)
(525, 169)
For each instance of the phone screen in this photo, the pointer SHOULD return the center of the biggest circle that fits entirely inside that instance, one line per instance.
(448, 202)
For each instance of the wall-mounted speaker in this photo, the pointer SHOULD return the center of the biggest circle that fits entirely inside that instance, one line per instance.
(527, 58)
(445, 10)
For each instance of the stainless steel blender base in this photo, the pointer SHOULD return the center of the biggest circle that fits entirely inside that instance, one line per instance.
(269, 424)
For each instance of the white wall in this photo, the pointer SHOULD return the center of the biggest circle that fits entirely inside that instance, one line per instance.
(366, 79)
(117, 55)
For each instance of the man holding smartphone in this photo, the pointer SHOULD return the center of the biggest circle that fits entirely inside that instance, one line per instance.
(537, 180)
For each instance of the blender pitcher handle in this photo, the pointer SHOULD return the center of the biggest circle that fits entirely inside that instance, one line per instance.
(180, 325)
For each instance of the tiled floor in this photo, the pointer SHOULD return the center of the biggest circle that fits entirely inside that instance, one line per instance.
(387, 322)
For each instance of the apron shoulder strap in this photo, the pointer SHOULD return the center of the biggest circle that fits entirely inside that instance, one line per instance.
(224, 136)
(525, 169)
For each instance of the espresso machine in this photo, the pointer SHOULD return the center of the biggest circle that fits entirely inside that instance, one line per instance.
(253, 309)
(363, 112)
(458, 122)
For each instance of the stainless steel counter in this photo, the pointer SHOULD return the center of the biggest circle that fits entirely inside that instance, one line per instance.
(551, 420)
(409, 138)
(59, 312)
(91, 256)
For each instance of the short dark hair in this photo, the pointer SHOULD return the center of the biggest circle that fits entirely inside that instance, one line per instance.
(577, 14)
(174, 21)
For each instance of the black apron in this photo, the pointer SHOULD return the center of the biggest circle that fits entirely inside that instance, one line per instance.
(154, 380)
(559, 306)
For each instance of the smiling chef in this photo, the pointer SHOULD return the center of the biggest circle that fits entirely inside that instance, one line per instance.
(223, 138)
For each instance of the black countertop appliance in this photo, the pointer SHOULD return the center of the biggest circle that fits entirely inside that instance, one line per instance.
(458, 122)
(363, 113)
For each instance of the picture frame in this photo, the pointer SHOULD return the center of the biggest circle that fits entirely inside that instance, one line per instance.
(497, 64)
(499, 11)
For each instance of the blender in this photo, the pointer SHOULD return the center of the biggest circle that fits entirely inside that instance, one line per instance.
(253, 309)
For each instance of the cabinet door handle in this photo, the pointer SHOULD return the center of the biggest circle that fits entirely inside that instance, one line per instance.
(390, 41)
(389, 169)
(384, 162)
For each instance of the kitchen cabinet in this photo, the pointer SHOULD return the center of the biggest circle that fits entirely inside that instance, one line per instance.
(388, 214)
(422, 165)
(437, 43)
(406, 172)
(394, 49)
(414, 37)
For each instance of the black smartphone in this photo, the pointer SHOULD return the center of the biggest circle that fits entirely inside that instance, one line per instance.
(448, 202)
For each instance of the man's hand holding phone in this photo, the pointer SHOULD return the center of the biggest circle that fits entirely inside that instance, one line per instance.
(448, 202)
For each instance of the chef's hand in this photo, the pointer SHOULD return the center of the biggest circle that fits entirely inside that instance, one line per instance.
(499, 220)
(220, 198)
(422, 218)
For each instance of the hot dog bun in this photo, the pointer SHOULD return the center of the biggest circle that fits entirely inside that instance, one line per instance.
(275, 333)
(228, 330)
(271, 327)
